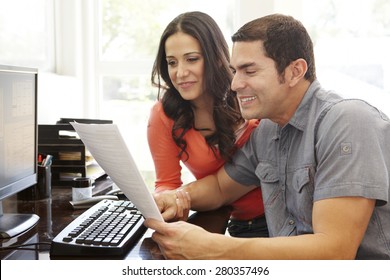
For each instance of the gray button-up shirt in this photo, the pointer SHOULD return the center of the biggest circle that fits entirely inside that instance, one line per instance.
(331, 147)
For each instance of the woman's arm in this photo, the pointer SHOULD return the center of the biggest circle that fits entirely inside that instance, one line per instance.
(163, 150)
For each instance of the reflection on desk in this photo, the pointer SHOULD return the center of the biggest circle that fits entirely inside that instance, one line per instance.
(56, 213)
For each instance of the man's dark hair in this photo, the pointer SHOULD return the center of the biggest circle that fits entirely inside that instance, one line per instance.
(285, 40)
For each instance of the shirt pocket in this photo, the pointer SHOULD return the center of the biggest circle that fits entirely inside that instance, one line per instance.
(300, 178)
(274, 201)
(269, 181)
(301, 202)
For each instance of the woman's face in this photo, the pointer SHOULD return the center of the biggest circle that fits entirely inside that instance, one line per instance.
(185, 65)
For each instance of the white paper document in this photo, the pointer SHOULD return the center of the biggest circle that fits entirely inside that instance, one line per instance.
(106, 144)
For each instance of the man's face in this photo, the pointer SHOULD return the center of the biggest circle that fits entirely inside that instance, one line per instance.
(260, 92)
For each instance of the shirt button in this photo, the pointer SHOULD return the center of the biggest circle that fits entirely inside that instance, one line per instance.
(291, 222)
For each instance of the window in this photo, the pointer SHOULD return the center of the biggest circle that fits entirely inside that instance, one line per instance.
(351, 41)
(26, 33)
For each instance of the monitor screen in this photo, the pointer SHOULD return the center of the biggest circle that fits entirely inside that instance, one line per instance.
(18, 139)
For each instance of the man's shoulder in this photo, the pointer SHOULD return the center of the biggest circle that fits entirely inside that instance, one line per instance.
(352, 119)
(326, 100)
(354, 110)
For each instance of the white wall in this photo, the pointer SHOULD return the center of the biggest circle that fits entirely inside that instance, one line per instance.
(252, 9)
(59, 97)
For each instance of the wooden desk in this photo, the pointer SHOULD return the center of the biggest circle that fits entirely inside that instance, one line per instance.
(56, 212)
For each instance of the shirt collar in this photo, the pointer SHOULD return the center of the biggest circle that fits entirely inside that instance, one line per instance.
(300, 117)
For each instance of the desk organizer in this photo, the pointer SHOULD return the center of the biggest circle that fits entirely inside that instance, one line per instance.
(70, 157)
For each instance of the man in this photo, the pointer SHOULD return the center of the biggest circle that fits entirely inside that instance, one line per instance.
(323, 163)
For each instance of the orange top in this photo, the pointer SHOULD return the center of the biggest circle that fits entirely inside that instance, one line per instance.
(201, 161)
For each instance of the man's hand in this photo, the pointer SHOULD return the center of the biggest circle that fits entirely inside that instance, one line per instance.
(180, 240)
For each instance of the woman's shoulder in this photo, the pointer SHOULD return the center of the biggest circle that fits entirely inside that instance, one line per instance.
(245, 131)
(250, 125)
(253, 123)
(157, 114)
(157, 106)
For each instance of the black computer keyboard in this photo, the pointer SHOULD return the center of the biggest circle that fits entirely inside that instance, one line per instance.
(107, 230)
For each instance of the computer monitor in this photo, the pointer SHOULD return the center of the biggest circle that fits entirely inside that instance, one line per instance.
(18, 142)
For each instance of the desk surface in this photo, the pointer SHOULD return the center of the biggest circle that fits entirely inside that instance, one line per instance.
(56, 213)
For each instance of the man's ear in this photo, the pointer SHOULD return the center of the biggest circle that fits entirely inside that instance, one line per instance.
(297, 71)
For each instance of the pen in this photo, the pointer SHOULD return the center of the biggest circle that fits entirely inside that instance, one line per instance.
(47, 161)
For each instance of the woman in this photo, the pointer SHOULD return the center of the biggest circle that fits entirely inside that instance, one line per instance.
(196, 119)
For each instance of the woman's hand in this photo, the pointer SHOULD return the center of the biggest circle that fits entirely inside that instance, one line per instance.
(174, 205)
(183, 204)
